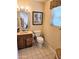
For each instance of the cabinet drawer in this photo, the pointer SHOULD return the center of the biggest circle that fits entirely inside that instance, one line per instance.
(28, 36)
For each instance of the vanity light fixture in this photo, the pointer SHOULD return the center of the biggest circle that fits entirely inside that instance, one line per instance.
(23, 7)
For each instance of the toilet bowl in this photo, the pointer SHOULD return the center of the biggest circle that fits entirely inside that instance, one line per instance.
(39, 38)
(40, 41)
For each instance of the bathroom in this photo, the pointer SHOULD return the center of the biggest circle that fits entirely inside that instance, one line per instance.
(39, 39)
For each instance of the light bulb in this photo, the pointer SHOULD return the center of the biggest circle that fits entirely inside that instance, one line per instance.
(22, 7)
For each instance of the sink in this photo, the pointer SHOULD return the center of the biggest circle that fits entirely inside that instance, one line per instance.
(24, 32)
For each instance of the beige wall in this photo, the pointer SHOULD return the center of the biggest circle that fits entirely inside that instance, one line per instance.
(32, 6)
(51, 33)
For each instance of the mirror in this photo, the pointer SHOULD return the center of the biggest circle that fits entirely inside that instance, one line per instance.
(22, 20)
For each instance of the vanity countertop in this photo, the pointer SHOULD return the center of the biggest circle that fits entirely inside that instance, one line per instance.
(24, 32)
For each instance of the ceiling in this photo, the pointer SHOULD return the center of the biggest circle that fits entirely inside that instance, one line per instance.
(41, 0)
(33, 0)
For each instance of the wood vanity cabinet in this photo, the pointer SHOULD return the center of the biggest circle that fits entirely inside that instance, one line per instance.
(24, 41)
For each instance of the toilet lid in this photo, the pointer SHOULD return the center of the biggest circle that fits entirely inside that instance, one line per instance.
(40, 38)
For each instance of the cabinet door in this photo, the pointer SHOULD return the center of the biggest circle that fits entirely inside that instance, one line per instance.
(29, 42)
(21, 42)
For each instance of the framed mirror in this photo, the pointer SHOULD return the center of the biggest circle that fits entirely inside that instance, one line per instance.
(22, 20)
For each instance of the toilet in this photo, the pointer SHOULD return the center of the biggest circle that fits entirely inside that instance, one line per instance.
(39, 38)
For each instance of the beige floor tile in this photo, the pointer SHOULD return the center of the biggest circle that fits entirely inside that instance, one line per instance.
(35, 53)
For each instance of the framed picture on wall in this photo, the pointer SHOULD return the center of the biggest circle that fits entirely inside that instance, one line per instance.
(37, 18)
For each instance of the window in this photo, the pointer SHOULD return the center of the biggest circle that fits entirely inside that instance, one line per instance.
(56, 16)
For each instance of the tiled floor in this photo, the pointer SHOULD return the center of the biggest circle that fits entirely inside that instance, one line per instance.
(36, 53)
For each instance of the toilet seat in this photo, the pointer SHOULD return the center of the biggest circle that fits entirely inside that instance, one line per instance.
(40, 39)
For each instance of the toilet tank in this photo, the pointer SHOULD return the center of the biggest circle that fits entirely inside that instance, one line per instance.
(37, 33)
